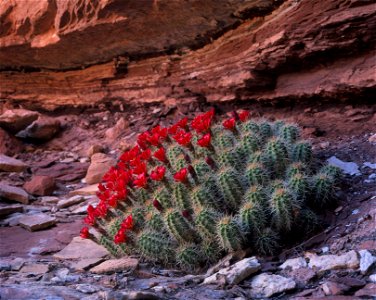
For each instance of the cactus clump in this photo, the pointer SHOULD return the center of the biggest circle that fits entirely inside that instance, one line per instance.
(187, 194)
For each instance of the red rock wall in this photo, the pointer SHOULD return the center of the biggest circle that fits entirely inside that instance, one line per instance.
(302, 50)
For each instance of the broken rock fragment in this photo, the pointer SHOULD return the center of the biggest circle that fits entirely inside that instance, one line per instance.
(10, 164)
(15, 120)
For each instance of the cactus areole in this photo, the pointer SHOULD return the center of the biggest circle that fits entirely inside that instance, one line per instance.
(188, 194)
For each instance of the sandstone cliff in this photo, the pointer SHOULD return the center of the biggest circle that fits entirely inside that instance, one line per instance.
(57, 53)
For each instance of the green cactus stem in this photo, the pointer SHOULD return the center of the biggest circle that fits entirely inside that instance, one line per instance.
(230, 234)
(179, 227)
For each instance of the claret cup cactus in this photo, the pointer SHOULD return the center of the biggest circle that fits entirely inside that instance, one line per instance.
(187, 194)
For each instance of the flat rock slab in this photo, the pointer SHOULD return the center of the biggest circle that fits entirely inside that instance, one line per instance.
(86, 263)
(116, 265)
(235, 273)
(13, 193)
(37, 222)
(10, 209)
(323, 263)
(267, 285)
(10, 164)
(80, 248)
(71, 201)
(35, 269)
(87, 190)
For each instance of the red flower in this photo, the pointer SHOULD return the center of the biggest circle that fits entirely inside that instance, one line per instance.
(229, 124)
(162, 132)
(101, 187)
(139, 167)
(145, 155)
(183, 138)
(127, 223)
(157, 205)
(160, 154)
(101, 209)
(244, 115)
(204, 141)
(84, 233)
(142, 139)
(121, 192)
(181, 176)
(201, 123)
(89, 220)
(181, 124)
(154, 139)
(140, 181)
(158, 173)
(120, 237)
(112, 201)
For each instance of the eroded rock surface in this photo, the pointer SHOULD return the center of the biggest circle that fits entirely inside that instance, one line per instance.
(304, 49)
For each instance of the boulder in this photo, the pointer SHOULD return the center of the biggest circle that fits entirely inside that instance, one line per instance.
(267, 285)
(94, 149)
(100, 164)
(15, 120)
(40, 185)
(13, 193)
(235, 273)
(44, 128)
(9, 164)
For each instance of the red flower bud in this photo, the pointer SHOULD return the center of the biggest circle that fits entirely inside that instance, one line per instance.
(84, 233)
(186, 214)
(181, 176)
(127, 223)
(157, 205)
(210, 162)
(183, 138)
(244, 115)
(158, 173)
(229, 124)
(120, 237)
(204, 141)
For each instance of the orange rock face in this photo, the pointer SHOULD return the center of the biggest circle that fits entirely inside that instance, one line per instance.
(181, 51)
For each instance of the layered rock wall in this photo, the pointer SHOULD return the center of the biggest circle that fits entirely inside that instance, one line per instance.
(250, 50)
